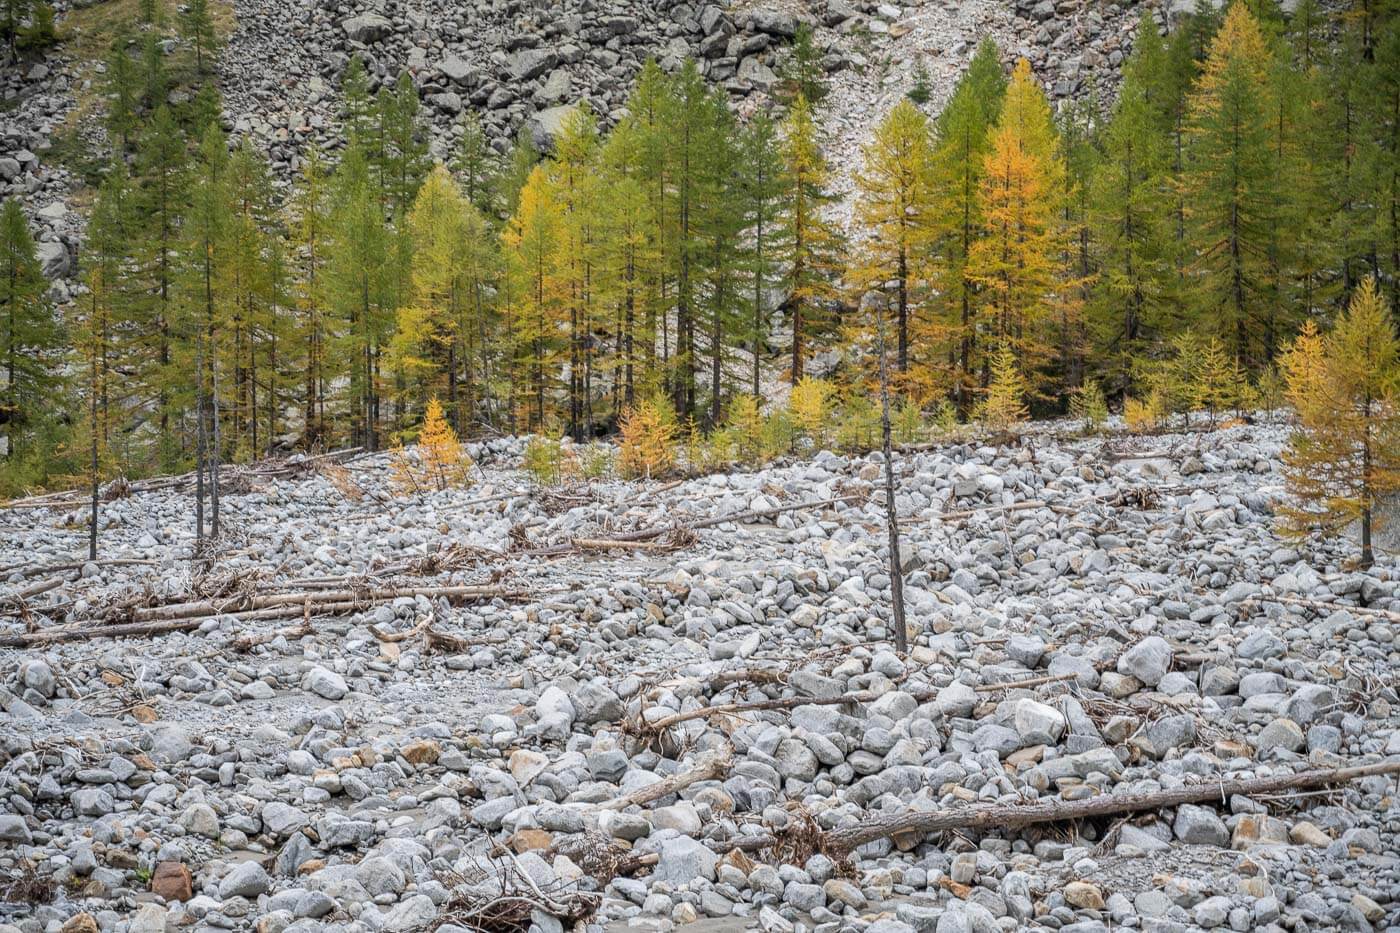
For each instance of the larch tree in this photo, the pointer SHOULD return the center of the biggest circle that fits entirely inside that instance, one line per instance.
(1227, 182)
(574, 181)
(359, 291)
(197, 26)
(310, 221)
(1344, 458)
(812, 241)
(1130, 223)
(121, 87)
(962, 138)
(760, 191)
(1018, 258)
(31, 336)
(895, 207)
(531, 241)
(477, 165)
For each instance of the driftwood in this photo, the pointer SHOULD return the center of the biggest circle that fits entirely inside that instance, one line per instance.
(1013, 816)
(1028, 682)
(711, 766)
(238, 604)
(656, 531)
(1306, 603)
(184, 618)
(40, 569)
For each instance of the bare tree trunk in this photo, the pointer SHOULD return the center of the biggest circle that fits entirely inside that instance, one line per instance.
(901, 635)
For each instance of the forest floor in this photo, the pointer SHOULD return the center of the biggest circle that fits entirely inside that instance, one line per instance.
(366, 712)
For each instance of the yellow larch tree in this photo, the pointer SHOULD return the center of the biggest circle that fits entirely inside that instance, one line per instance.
(531, 239)
(893, 206)
(1344, 458)
(1019, 257)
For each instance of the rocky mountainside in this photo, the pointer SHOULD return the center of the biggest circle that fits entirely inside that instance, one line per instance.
(523, 62)
(378, 714)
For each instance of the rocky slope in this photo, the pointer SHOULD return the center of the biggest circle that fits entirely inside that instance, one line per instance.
(1089, 618)
(523, 62)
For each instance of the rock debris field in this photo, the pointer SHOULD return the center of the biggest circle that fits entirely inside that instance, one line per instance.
(476, 709)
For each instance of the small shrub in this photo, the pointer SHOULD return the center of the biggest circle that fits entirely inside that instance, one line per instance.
(810, 407)
(744, 419)
(544, 460)
(1145, 415)
(907, 425)
(440, 463)
(1005, 405)
(922, 89)
(945, 418)
(858, 428)
(648, 445)
(596, 462)
(1089, 406)
(777, 436)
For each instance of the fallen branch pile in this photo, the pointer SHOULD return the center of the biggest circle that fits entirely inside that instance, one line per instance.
(1014, 816)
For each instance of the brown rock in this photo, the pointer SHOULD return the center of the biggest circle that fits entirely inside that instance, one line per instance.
(1308, 834)
(144, 714)
(311, 866)
(81, 923)
(172, 881)
(1256, 829)
(423, 752)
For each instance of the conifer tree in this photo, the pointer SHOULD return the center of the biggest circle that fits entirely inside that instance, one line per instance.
(1129, 219)
(1005, 404)
(573, 180)
(1345, 457)
(404, 158)
(1018, 259)
(122, 91)
(12, 16)
(531, 240)
(311, 234)
(161, 198)
(155, 82)
(524, 155)
(1227, 185)
(358, 277)
(760, 190)
(801, 70)
(247, 289)
(197, 26)
(30, 336)
(357, 112)
(628, 259)
(477, 165)
(962, 138)
(812, 241)
(895, 200)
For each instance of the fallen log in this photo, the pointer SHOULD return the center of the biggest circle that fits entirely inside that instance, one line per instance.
(1014, 816)
(40, 569)
(181, 623)
(711, 767)
(656, 531)
(236, 605)
(1028, 682)
(1322, 604)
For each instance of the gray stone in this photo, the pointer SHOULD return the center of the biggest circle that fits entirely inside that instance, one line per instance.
(683, 859)
(247, 879)
(1200, 826)
(1148, 660)
(325, 683)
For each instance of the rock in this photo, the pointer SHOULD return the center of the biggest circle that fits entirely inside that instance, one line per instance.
(1084, 895)
(246, 879)
(201, 820)
(367, 28)
(325, 683)
(410, 914)
(83, 922)
(422, 752)
(1148, 660)
(1037, 723)
(683, 859)
(1199, 826)
(14, 830)
(1281, 734)
(172, 881)
(546, 124)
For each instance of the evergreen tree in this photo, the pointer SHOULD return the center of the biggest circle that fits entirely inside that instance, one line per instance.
(359, 289)
(122, 91)
(358, 114)
(477, 165)
(404, 159)
(311, 234)
(31, 336)
(519, 163)
(1130, 221)
(895, 206)
(760, 191)
(812, 241)
(1345, 457)
(1005, 404)
(161, 198)
(12, 16)
(1227, 185)
(801, 70)
(962, 138)
(155, 82)
(197, 26)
